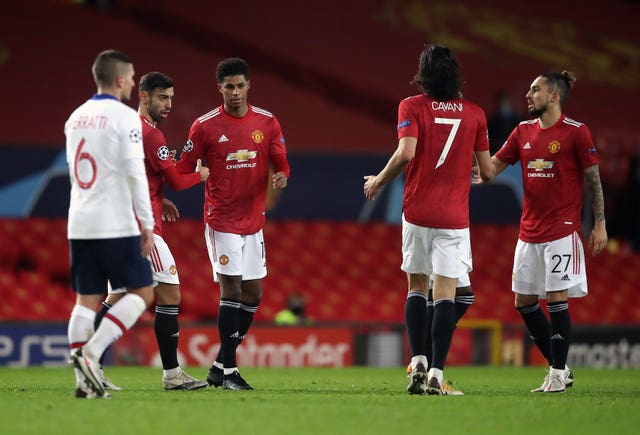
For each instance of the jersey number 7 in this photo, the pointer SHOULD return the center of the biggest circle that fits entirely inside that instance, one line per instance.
(455, 123)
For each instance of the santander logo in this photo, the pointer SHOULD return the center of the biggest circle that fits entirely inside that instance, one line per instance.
(255, 353)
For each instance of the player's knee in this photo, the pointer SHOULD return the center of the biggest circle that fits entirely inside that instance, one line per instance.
(167, 294)
(464, 291)
(521, 300)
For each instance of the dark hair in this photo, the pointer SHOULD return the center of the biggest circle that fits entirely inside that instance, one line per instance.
(154, 80)
(232, 66)
(105, 67)
(561, 82)
(439, 73)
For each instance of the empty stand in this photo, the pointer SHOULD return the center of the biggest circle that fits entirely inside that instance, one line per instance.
(334, 78)
(347, 271)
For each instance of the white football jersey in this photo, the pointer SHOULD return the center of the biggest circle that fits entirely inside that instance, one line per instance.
(106, 167)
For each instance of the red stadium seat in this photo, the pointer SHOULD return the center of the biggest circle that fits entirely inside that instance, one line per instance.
(347, 271)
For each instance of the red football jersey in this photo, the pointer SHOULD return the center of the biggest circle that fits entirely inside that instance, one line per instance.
(438, 179)
(553, 161)
(237, 152)
(156, 159)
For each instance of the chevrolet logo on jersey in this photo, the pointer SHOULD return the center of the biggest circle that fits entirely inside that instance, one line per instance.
(242, 155)
(539, 165)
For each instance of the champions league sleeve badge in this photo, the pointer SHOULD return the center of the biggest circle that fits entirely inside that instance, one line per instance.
(135, 136)
(163, 152)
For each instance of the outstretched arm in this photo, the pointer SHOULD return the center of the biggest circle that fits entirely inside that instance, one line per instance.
(396, 164)
(598, 237)
(180, 181)
(487, 174)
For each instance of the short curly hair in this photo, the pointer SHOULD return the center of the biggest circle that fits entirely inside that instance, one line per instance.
(232, 66)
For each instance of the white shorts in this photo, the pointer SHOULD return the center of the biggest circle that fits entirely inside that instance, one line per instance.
(236, 255)
(163, 266)
(435, 250)
(463, 281)
(551, 266)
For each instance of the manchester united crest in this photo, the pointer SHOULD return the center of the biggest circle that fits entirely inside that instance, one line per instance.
(257, 136)
(554, 146)
(224, 260)
(173, 270)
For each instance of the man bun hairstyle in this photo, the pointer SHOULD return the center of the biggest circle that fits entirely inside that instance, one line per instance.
(105, 67)
(154, 80)
(560, 82)
(232, 66)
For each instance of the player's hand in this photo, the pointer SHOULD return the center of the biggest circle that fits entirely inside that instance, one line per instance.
(279, 180)
(146, 242)
(170, 212)
(475, 175)
(598, 238)
(204, 171)
(371, 187)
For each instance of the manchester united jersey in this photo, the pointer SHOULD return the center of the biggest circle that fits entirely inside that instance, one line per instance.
(237, 152)
(553, 161)
(436, 193)
(156, 160)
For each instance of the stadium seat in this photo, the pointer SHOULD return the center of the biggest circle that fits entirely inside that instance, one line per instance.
(347, 271)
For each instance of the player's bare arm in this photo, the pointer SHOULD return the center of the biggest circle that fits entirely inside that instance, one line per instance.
(498, 164)
(396, 164)
(498, 167)
(146, 241)
(598, 238)
(487, 168)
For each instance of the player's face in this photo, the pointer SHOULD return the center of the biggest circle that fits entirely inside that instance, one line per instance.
(234, 90)
(159, 103)
(538, 97)
(126, 80)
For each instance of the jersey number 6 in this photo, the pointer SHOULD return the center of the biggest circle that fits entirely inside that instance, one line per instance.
(94, 170)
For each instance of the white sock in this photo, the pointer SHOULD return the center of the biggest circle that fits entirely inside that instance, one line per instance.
(218, 365)
(79, 331)
(439, 374)
(419, 359)
(171, 373)
(228, 371)
(559, 372)
(120, 317)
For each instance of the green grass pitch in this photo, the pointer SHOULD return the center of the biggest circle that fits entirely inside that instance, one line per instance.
(356, 400)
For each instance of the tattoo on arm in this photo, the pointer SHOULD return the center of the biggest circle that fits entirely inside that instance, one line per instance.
(592, 178)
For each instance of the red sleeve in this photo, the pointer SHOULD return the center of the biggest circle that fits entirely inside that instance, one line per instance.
(278, 149)
(407, 125)
(191, 151)
(586, 150)
(509, 153)
(179, 181)
(280, 164)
